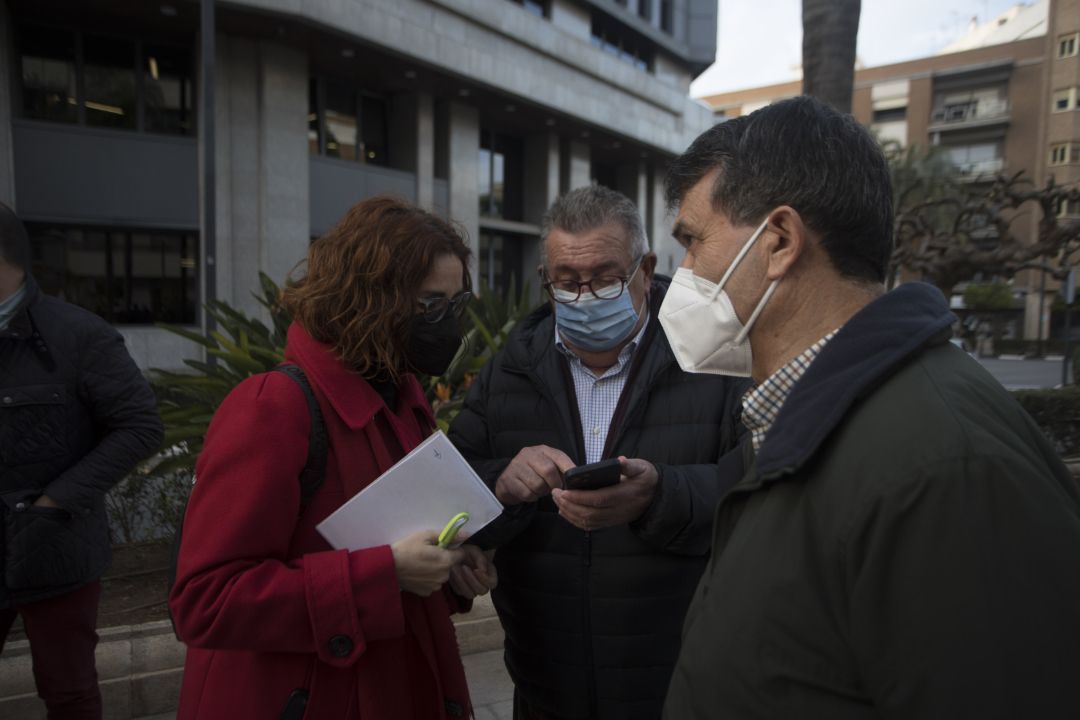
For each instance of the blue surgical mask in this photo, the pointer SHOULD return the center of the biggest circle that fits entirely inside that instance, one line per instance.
(594, 324)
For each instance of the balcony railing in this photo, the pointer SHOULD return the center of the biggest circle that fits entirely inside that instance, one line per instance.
(974, 170)
(973, 112)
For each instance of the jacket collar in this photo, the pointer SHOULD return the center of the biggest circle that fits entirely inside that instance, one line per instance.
(351, 396)
(874, 344)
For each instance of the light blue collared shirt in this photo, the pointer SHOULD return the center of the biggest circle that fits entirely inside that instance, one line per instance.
(598, 397)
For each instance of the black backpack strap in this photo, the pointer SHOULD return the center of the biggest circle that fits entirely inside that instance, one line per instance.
(311, 477)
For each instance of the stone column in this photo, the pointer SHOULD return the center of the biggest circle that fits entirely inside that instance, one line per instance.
(464, 182)
(668, 252)
(576, 165)
(541, 174)
(284, 212)
(425, 151)
(262, 166)
(541, 190)
(632, 180)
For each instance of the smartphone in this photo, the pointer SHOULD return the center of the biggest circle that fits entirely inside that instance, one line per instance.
(592, 476)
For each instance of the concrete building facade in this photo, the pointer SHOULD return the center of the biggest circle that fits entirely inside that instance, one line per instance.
(482, 110)
(1005, 107)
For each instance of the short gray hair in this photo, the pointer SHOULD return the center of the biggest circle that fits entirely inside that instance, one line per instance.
(590, 207)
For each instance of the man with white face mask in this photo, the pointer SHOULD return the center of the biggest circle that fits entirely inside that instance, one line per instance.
(593, 584)
(904, 543)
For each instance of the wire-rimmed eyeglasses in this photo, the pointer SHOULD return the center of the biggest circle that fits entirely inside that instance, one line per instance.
(434, 309)
(601, 287)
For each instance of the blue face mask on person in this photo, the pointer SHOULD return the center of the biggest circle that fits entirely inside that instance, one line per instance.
(597, 324)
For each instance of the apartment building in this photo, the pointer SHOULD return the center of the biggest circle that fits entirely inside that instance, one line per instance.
(1003, 98)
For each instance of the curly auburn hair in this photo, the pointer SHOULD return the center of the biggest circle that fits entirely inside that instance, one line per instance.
(359, 291)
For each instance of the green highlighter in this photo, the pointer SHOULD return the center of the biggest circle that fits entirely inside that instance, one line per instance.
(451, 530)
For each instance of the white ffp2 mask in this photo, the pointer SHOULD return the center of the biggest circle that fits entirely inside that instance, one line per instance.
(699, 320)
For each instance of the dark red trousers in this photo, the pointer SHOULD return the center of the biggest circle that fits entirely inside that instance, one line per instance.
(62, 638)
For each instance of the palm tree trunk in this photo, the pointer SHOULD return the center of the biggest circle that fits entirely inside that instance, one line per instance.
(830, 28)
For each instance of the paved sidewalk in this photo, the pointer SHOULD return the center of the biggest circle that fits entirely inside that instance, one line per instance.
(140, 667)
(489, 685)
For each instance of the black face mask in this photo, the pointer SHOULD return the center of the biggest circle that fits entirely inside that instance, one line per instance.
(432, 346)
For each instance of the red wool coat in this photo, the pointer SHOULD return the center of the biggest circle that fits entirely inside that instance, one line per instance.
(264, 605)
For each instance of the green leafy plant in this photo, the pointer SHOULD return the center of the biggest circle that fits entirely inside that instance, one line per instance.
(489, 320)
(147, 506)
(242, 346)
(989, 296)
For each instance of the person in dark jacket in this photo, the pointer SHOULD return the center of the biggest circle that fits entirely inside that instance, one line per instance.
(76, 415)
(904, 543)
(594, 583)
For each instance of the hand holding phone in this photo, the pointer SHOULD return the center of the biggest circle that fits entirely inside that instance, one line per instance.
(626, 494)
(592, 476)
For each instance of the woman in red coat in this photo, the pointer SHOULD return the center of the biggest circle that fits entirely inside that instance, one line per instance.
(278, 624)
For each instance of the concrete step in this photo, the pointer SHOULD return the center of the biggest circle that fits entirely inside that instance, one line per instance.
(140, 666)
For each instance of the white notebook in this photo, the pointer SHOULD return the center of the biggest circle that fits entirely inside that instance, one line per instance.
(422, 491)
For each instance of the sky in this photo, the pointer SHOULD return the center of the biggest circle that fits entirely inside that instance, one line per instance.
(759, 42)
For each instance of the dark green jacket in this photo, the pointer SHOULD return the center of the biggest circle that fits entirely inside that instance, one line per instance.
(905, 545)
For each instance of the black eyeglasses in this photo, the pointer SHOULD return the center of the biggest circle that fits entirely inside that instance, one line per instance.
(601, 287)
(435, 308)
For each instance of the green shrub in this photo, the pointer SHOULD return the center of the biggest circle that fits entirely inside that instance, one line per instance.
(988, 296)
(1057, 413)
(1029, 348)
(243, 346)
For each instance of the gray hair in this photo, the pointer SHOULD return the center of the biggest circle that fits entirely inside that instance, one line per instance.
(590, 207)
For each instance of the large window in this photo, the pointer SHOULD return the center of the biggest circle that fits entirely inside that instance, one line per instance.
(1068, 45)
(1064, 100)
(533, 7)
(128, 277)
(667, 16)
(500, 258)
(605, 175)
(970, 105)
(47, 63)
(77, 77)
(614, 39)
(346, 122)
(976, 159)
(166, 89)
(501, 176)
(1065, 153)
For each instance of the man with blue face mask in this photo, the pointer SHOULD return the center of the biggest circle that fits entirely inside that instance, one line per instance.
(593, 584)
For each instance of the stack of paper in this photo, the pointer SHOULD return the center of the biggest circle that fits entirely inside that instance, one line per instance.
(422, 491)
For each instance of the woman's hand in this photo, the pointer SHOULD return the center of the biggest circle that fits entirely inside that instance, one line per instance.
(422, 566)
(476, 575)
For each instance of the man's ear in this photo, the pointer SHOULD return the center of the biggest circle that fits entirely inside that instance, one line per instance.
(648, 267)
(784, 241)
